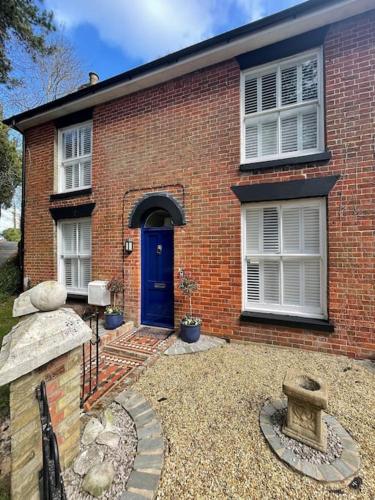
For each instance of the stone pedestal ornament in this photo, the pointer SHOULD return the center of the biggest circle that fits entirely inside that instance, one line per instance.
(307, 397)
(44, 346)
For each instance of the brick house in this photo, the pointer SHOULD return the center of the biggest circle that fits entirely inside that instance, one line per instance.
(247, 160)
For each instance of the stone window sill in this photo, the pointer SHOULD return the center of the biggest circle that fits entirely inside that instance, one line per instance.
(70, 194)
(290, 321)
(306, 160)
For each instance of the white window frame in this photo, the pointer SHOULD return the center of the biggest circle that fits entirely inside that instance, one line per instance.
(260, 115)
(61, 163)
(60, 259)
(276, 308)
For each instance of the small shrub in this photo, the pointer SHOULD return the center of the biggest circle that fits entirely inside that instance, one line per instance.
(10, 278)
(12, 234)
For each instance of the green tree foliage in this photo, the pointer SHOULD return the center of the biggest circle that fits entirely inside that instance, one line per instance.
(10, 165)
(28, 23)
(12, 234)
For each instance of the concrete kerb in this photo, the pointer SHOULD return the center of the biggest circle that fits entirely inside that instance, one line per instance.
(144, 479)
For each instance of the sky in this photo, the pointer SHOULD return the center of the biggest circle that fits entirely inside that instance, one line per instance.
(112, 36)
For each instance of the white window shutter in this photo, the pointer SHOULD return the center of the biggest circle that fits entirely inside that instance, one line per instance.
(292, 283)
(289, 134)
(291, 230)
(85, 268)
(310, 130)
(253, 224)
(251, 141)
(86, 173)
(312, 283)
(84, 237)
(271, 230)
(311, 230)
(69, 239)
(269, 91)
(269, 137)
(289, 85)
(251, 95)
(85, 141)
(68, 177)
(271, 282)
(310, 80)
(253, 282)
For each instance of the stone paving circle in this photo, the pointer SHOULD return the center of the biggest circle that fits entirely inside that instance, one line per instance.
(205, 343)
(144, 479)
(343, 468)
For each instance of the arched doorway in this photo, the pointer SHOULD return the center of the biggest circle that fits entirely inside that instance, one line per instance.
(157, 293)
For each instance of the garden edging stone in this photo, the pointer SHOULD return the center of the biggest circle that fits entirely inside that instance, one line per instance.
(144, 479)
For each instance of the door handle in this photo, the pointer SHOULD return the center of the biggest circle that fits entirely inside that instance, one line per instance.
(160, 285)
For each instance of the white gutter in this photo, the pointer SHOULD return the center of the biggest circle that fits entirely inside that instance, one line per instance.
(281, 31)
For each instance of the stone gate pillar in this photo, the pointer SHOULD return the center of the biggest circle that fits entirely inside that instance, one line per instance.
(44, 346)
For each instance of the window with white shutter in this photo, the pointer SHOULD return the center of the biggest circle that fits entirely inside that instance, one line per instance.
(284, 257)
(282, 107)
(75, 150)
(75, 254)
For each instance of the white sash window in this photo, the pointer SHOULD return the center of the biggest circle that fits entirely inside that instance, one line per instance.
(282, 109)
(74, 245)
(75, 151)
(284, 257)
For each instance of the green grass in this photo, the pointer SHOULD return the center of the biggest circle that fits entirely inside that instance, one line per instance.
(6, 323)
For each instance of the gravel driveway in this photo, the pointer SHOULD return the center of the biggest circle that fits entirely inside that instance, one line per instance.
(210, 419)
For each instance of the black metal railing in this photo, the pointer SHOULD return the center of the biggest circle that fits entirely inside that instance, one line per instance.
(90, 359)
(51, 483)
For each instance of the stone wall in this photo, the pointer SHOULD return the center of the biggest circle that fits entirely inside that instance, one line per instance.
(62, 377)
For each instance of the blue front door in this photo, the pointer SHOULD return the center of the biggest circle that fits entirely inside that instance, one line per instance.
(157, 305)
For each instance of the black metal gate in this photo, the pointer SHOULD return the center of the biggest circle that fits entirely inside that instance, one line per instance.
(90, 359)
(51, 483)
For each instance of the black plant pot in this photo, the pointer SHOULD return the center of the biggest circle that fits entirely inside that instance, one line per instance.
(190, 333)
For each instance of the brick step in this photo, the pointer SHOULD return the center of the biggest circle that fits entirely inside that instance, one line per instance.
(125, 352)
(111, 335)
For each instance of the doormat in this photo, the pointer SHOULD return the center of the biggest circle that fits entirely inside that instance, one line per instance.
(154, 333)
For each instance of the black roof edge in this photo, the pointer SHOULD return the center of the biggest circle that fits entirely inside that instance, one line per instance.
(228, 36)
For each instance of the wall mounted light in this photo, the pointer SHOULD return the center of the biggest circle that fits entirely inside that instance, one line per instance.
(128, 245)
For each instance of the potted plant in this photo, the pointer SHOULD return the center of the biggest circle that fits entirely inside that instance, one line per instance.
(113, 314)
(190, 328)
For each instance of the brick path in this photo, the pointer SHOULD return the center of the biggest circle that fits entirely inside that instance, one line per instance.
(123, 354)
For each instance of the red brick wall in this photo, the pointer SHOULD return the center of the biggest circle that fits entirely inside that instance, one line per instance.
(187, 131)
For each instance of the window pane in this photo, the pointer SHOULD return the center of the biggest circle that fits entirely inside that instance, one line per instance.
(251, 141)
(85, 271)
(271, 279)
(311, 230)
(269, 138)
(269, 91)
(69, 144)
(310, 80)
(271, 230)
(86, 173)
(289, 85)
(289, 134)
(85, 140)
(253, 230)
(84, 237)
(291, 230)
(69, 239)
(312, 283)
(292, 280)
(251, 93)
(310, 130)
(253, 282)
(71, 273)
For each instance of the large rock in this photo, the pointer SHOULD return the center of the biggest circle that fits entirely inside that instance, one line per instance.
(48, 296)
(38, 339)
(109, 438)
(22, 305)
(108, 420)
(98, 479)
(87, 459)
(92, 430)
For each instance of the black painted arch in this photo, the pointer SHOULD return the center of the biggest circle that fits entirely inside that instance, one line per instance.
(155, 201)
